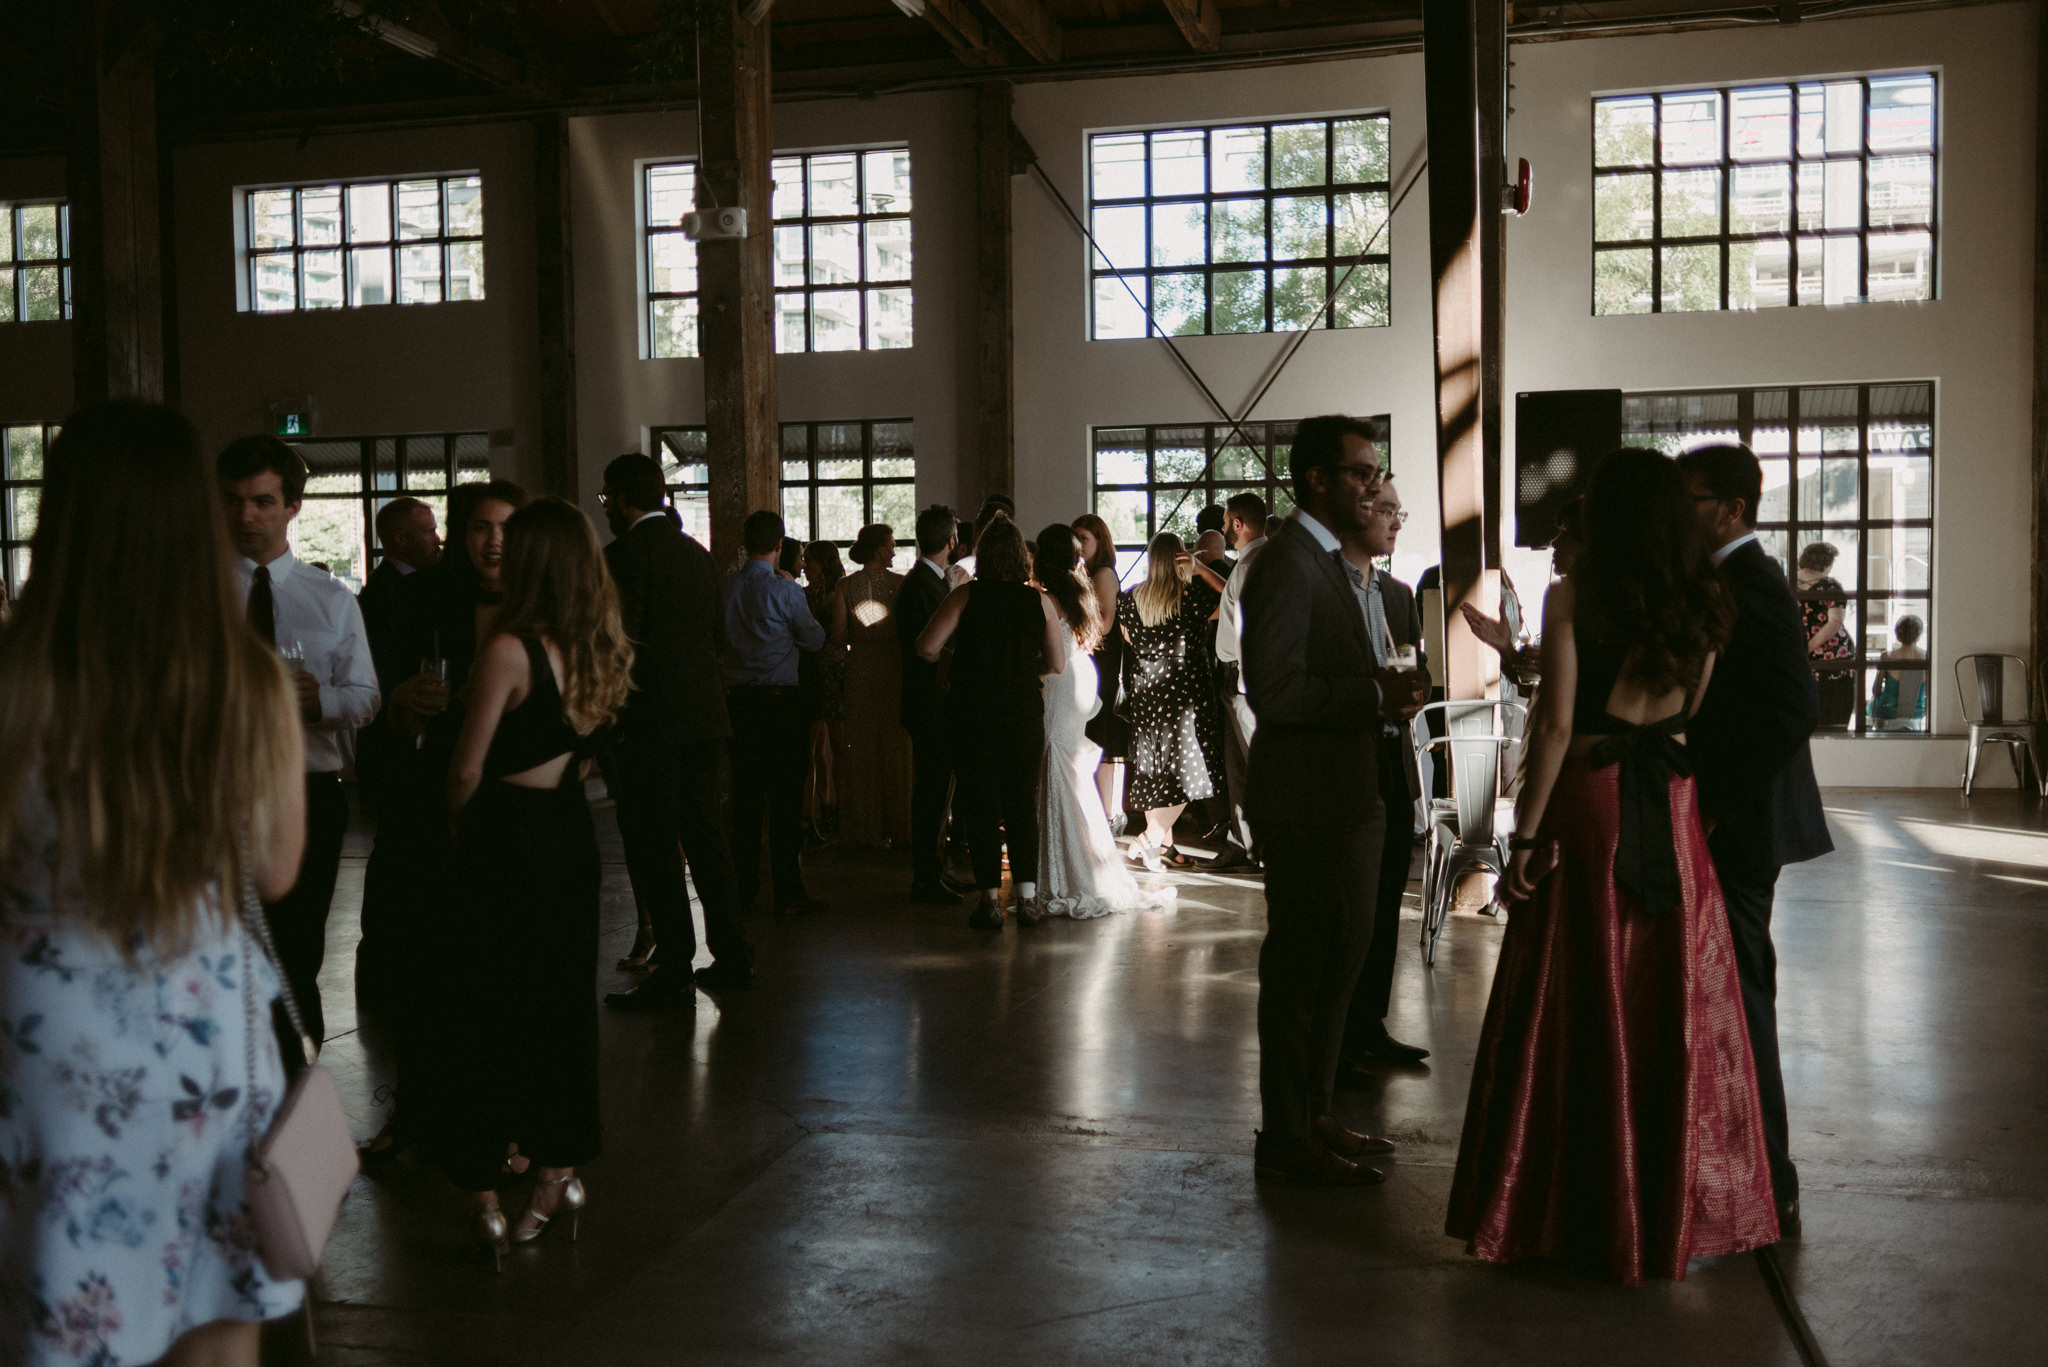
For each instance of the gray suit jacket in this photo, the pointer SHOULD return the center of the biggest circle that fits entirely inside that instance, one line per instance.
(1308, 670)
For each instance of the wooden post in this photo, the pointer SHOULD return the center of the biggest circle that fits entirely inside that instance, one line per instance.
(736, 290)
(116, 245)
(2039, 618)
(1455, 205)
(996, 447)
(1491, 70)
(555, 305)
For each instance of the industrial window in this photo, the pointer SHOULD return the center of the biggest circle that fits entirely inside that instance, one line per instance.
(363, 243)
(35, 261)
(1247, 228)
(1769, 196)
(1155, 479)
(837, 477)
(841, 225)
(1848, 493)
(353, 477)
(21, 494)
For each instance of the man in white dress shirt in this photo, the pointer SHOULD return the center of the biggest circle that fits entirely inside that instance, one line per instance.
(1245, 524)
(305, 612)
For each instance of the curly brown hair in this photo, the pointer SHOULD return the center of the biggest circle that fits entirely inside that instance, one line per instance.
(1646, 582)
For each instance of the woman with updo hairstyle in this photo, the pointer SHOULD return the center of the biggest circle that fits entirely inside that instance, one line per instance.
(1823, 608)
(873, 760)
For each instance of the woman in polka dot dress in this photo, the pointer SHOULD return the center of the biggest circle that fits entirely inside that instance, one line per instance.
(1175, 725)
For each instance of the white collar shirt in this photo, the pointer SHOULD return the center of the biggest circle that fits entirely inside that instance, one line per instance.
(1732, 547)
(644, 516)
(933, 565)
(317, 610)
(1325, 538)
(1230, 612)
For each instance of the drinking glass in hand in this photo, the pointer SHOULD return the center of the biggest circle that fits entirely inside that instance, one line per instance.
(437, 670)
(293, 654)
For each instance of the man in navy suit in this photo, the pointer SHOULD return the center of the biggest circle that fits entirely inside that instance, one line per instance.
(1749, 750)
(931, 762)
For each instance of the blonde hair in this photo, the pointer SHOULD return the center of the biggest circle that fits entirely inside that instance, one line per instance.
(557, 588)
(159, 725)
(1158, 598)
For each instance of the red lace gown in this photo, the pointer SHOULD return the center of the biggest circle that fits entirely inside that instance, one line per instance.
(1613, 1123)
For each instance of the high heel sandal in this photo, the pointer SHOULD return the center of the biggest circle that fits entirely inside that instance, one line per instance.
(487, 1232)
(1148, 854)
(637, 960)
(572, 1200)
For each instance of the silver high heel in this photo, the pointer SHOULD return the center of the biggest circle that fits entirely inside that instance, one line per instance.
(572, 1201)
(487, 1229)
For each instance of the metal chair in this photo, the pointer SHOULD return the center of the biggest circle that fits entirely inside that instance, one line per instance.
(1464, 829)
(1997, 705)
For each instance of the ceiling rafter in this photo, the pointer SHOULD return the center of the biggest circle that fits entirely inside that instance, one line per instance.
(964, 32)
(1031, 24)
(1199, 21)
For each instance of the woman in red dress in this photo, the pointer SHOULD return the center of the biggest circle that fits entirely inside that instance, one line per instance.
(1613, 1122)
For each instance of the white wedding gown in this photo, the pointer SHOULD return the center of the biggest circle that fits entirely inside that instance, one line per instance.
(1081, 871)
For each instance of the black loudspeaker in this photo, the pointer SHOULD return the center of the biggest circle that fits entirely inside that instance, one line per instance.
(1560, 435)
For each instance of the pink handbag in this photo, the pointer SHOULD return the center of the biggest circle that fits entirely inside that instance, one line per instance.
(299, 1172)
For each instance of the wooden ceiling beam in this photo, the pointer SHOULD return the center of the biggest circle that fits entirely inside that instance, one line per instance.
(1199, 21)
(1031, 23)
(964, 32)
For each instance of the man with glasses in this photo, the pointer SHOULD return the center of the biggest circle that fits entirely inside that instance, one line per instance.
(1313, 797)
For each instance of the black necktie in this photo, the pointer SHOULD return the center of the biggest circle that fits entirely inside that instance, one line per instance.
(263, 607)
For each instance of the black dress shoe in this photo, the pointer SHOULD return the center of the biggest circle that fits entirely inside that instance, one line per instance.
(724, 975)
(986, 915)
(1348, 1143)
(1230, 860)
(653, 995)
(1386, 1049)
(933, 895)
(1789, 1223)
(1307, 1163)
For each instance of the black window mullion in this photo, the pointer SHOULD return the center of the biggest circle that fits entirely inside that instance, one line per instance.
(1657, 205)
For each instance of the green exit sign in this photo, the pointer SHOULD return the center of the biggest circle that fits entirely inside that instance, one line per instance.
(294, 424)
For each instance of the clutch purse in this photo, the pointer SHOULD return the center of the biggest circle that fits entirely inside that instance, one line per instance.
(299, 1171)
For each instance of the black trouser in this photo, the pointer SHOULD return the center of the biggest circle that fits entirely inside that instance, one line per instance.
(1365, 1022)
(1319, 886)
(771, 750)
(931, 769)
(996, 759)
(298, 920)
(674, 806)
(1749, 895)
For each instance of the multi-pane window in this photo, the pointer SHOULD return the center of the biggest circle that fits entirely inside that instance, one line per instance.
(371, 242)
(841, 224)
(1155, 479)
(21, 495)
(1746, 197)
(837, 477)
(1247, 228)
(35, 261)
(1849, 495)
(351, 478)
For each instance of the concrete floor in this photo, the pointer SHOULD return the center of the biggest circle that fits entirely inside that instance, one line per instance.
(915, 1143)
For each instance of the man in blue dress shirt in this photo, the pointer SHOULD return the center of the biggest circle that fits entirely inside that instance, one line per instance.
(767, 622)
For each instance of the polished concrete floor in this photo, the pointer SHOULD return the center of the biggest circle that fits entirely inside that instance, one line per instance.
(915, 1143)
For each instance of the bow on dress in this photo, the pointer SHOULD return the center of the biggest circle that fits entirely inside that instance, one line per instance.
(1646, 856)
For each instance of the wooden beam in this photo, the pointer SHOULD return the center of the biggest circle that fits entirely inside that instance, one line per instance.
(736, 287)
(1490, 66)
(1199, 21)
(994, 166)
(2038, 622)
(1450, 77)
(112, 174)
(555, 305)
(964, 32)
(1031, 24)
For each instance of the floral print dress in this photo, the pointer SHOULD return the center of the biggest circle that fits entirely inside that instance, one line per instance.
(126, 1110)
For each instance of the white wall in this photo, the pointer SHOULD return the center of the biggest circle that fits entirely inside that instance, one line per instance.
(620, 395)
(1975, 341)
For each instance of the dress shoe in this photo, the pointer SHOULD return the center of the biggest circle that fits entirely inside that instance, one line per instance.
(986, 915)
(1230, 860)
(933, 895)
(1386, 1049)
(721, 974)
(1346, 1143)
(1030, 912)
(1788, 1219)
(1306, 1163)
(656, 994)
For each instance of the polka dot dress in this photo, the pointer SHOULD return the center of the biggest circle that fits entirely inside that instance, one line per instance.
(1176, 726)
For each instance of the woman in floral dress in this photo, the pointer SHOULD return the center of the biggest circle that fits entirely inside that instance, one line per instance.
(131, 1081)
(1176, 724)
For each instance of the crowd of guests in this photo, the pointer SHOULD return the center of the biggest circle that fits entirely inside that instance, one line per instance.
(1006, 696)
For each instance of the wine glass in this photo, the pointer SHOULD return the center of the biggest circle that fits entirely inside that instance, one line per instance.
(437, 670)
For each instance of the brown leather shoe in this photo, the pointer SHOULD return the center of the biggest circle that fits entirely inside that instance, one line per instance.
(1306, 1163)
(1348, 1143)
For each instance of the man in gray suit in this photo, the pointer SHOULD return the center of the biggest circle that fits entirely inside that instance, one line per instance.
(1313, 797)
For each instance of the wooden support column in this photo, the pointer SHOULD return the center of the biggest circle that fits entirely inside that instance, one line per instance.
(736, 289)
(1490, 48)
(1450, 74)
(994, 165)
(2038, 620)
(112, 174)
(555, 306)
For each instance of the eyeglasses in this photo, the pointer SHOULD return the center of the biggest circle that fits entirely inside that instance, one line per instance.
(1367, 474)
(1396, 517)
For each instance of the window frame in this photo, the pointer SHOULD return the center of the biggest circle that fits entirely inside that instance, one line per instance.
(685, 489)
(1726, 164)
(347, 249)
(860, 219)
(14, 547)
(16, 266)
(1797, 529)
(1333, 265)
(649, 232)
(377, 486)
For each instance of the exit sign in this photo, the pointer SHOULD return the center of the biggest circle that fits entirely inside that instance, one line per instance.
(294, 424)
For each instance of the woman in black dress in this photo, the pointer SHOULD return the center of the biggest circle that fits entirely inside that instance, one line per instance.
(1105, 728)
(1175, 723)
(1823, 608)
(518, 1083)
(1006, 637)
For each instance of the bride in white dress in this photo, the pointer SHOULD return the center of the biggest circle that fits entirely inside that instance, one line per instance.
(1081, 872)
